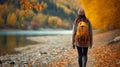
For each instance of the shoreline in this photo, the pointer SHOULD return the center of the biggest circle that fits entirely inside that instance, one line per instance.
(44, 52)
(50, 50)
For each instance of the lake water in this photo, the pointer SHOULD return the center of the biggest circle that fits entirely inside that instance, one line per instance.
(10, 39)
(32, 32)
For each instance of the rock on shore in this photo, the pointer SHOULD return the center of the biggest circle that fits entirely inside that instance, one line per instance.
(47, 50)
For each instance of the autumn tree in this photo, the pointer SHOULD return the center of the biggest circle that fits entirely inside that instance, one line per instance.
(4, 12)
(104, 14)
(39, 19)
(12, 19)
(27, 5)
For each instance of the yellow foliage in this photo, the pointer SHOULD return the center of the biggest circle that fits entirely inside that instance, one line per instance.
(11, 19)
(74, 4)
(40, 18)
(67, 24)
(21, 13)
(33, 1)
(52, 19)
(55, 20)
(3, 9)
(67, 5)
(104, 14)
(30, 14)
(59, 22)
(66, 10)
(1, 20)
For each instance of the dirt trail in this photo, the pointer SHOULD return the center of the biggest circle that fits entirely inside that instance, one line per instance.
(101, 55)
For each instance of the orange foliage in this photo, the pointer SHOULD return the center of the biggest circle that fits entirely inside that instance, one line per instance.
(107, 56)
(38, 7)
(104, 14)
(64, 62)
(25, 4)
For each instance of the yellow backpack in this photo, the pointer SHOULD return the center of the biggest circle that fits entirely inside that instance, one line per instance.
(82, 33)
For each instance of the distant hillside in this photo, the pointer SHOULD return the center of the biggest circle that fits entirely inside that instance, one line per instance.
(65, 9)
(56, 14)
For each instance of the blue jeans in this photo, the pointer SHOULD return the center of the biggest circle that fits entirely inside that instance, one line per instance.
(82, 56)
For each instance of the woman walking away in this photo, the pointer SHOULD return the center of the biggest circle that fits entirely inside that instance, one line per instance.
(82, 37)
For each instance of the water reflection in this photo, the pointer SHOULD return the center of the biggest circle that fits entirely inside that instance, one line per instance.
(9, 42)
(17, 38)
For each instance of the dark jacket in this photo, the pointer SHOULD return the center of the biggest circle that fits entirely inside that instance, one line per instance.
(74, 33)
